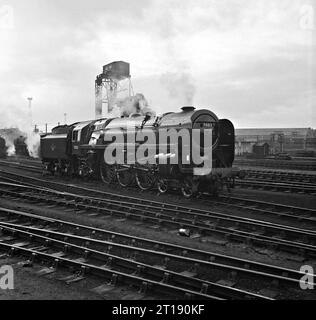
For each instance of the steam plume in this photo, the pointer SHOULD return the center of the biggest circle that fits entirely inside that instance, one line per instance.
(129, 105)
(179, 86)
(15, 122)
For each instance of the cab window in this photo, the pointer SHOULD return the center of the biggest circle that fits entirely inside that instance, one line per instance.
(74, 136)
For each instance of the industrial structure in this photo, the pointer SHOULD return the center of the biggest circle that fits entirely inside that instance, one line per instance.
(112, 84)
(30, 99)
(291, 140)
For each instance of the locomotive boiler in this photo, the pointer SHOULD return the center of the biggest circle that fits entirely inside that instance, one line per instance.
(109, 149)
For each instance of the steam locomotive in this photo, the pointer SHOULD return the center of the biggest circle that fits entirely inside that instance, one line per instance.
(19, 143)
(20, 146)
(3, 148)
(80, 150)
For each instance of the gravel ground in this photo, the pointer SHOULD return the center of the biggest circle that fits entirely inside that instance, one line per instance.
(30, 286)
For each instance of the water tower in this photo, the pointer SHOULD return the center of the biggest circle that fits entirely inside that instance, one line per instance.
(113, 83)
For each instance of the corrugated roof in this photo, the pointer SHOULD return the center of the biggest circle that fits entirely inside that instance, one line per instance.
(269, 131)
(261, 144)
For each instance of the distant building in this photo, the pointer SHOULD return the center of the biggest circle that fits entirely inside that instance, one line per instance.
(279, 140)
(261, 150)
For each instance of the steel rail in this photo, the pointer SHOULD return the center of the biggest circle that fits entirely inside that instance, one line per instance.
(276, 164)
(265, 209)
(279, 186)
(37, 169)
(299, 214)
(281, 275)
(200, 289)
(200, 227)
(107, 206)
(282, 176)
(137, 243)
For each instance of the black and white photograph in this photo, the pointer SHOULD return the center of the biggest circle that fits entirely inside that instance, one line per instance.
(157, 155)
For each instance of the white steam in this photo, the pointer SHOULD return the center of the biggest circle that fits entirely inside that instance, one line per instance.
(8, 142)
(10, 134)
(16, 122)
(130, 105)
(179, 86)
(178, 81)
(33, 143)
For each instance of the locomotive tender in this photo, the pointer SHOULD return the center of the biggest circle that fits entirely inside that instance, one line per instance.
(79, 149)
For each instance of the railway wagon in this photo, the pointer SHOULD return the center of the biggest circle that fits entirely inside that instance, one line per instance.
(80, 149)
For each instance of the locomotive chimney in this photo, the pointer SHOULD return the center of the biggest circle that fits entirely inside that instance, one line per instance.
(188, 108)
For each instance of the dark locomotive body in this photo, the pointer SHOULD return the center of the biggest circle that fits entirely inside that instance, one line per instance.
(79, 149)
(21, 146)
(3, 148)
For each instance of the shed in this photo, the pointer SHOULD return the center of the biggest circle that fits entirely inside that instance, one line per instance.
(261, 149)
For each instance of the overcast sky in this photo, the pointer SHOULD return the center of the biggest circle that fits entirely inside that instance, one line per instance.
(250, 61)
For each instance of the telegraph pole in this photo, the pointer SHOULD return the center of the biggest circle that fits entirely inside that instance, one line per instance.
(30, 110)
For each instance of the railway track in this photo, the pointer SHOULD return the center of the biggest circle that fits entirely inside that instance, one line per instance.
(262, 210)
(281, 176)
(278, 164)
(161, 215)
(297, 176)
(43, 248)
(35, 167)
(265, 183)
(296, 214)
(133, 254)
(265, 209)
(85, 258)
(304, 188)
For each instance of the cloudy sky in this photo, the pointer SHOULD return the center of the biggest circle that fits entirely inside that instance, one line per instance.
(253, 62)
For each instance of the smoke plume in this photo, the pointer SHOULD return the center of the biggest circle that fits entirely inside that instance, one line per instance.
(10, 134)
(130, 105)
(170, 30)
(180, 86)
(16, 122)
